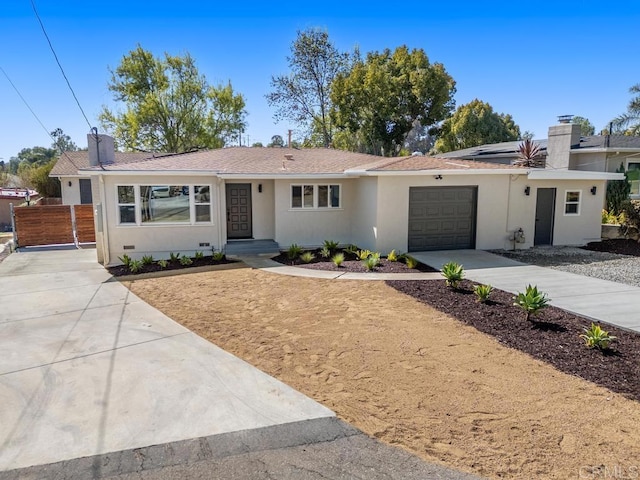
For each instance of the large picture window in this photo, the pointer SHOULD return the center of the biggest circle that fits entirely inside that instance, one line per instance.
(572, 202)
(315, 196)
(164, 204)
(633, 174)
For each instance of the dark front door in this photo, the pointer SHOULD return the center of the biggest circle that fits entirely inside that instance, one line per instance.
(239, 210)
(545, 210)
(442, 218)
(85, 191)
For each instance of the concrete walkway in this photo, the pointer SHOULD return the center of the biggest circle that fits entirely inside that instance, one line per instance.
(96, 383)
(592, 298)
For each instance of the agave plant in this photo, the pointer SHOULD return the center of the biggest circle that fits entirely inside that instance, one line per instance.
(529, 154)
(453, 273)
(596, 337)
(531, 301)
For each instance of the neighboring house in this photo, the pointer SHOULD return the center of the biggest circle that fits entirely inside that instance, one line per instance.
(566, 149)
(213, 199)
(15, 196)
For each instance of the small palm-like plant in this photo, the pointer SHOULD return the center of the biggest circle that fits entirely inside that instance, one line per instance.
(392, 256)
(147, 259)
(135, 266)
(174, 257)
(294, 251)
(126, 260)
(217, 256)
(307, 257)
(325, 252)
(410, 261)
(338, 259)
(482, 292)
(363, 254)
(531, 301)
(371, 262)
(596, 337)
(331, 245)
(529, 154)
(351, 248)
(185, 261)
(163, 263)
(453, 273)
(198, 255)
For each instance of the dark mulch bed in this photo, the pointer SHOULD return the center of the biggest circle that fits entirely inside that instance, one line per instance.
(121, 270)
(351, 264)
(554, 336)
(618, 245)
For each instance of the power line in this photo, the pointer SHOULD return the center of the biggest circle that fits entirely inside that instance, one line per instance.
(36, 116)
(59, 65)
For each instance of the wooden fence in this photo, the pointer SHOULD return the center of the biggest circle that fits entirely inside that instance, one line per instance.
(53, 224)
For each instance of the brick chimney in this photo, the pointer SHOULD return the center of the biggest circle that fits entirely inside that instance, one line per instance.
(101, 149)
(561, 138)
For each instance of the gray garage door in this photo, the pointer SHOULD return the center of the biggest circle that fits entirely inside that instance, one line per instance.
(442, 218)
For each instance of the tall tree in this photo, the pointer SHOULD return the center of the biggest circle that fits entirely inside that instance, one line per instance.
(586, 127)
(629, 122)
(380, 98)
(62, 142)
(303, 96)
(169, 106)
(31, 157)
(473, 124)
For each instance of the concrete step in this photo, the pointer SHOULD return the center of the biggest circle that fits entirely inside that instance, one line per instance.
(251, 247)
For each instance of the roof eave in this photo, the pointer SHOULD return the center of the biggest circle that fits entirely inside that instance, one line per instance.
(460, 171)
(573, 175)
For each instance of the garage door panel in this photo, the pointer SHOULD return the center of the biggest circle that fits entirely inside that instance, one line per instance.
(442, 218)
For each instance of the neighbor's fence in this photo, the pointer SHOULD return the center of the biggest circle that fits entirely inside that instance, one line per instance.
(53, 224)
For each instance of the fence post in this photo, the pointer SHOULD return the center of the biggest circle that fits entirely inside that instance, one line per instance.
(74, 227)
(13, 225)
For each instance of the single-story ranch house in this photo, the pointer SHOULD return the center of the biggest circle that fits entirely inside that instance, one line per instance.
(215, 199)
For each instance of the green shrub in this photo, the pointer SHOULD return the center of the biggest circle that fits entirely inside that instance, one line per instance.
(611, 218)
(199, 255)
(163, 263)
(482, 292)
(363, 254)
(371, 262)
(618, 191)
(631, 212)
(217, 256)
(596, 337)
(337, 259)
(531, 301)
(174, 257)
(393, 256)
(307, 257)
(453, 274)
(351, 248)
(147, 259)
(410, 261)
(294, 251)
(135, 266)
(330, 245)
(185, 261)
(325, 252)
(126, 260)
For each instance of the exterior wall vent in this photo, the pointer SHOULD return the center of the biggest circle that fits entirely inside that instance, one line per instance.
(128, 247)
(288, 156)
(205, 244)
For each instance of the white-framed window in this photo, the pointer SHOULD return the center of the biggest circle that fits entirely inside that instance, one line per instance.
(316, 196)
(633, 174)
(151, 204)
(126, 204)
(572, 202)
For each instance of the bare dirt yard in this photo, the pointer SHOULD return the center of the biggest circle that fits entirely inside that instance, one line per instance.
(408, 374)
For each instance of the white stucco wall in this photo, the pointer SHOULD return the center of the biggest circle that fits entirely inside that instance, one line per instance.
(310, 227)
(70, 194)
(364, 217)
(156, 239)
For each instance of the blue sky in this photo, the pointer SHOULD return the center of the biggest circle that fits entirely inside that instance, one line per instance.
(532, 59)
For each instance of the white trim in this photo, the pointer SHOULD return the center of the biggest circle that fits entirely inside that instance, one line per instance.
(578, 203)
(573, 175)
(471, 171)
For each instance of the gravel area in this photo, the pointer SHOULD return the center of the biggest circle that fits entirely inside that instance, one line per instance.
(606, 266)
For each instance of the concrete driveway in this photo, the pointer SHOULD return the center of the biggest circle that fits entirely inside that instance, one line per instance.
(88, 368)
(96, 383)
